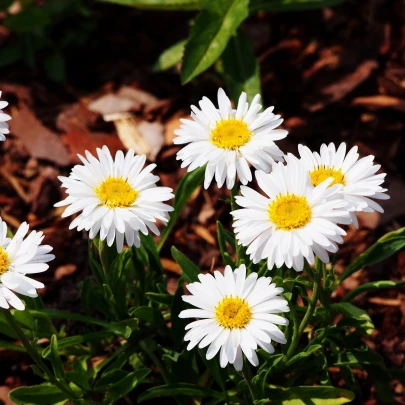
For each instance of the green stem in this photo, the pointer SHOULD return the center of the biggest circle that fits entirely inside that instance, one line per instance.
(144, 346)
(307, 317)
(263, 270)
(247, 375)
(35, 356)
(234, 207)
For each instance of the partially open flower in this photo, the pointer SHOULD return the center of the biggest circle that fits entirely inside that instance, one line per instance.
(3, 120)
(19, 257)
(227, 140)
(237, 314)
(115, 197)
(360, 183)
(294, 221)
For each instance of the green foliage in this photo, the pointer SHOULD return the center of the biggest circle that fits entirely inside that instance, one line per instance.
(158, 4)
(381, 250)
(290, 5)
(215, 24)
(170, 57)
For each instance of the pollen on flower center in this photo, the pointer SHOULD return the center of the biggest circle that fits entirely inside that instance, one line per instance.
(4, 261)
(116, 192)
(289, 212)
(323, 172)
(233, 313)
(230, 134)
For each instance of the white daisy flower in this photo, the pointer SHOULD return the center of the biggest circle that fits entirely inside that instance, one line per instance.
(227, 140)
(115, 197)
(293, 221)
(236, 315)
(19, 257)
(357, 176)
(3, 120)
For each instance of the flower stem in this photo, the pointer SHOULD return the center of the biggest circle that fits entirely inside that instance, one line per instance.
(297, 332)
(234, 207)
(247, 375)
(35, 356)
(144, 346)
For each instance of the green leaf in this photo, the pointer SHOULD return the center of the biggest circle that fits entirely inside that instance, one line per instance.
(149, 244)
(11, 346)
(55, 359)
(321, 395)
(303, 355)
(165, 299)
(383, 248)
(150, 315)
(54, 65)
(240, 68)
(214, 25)
(5, 4)
(353, 313)
(355, 358)
(178, 324)
(375, 285)
(126, 385)
(43, 394)
(170, 57)
(290, 5)
(29, 20)
(178, 389)
(190, 271)
(111, 377)
(222, 245)
(158, 4)
(186, 187)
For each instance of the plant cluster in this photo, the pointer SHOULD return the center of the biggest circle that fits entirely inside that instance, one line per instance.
(263, 329)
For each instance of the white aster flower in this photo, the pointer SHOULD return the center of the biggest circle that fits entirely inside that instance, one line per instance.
(294, 221)
(116, 197)
(357, 176)
(227, 140)
(236, 315)
(19, 257)
(3, 120)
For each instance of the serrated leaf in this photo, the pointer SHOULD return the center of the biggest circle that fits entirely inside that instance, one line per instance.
(178, 389)
(240, 68)
(372, 286)
(385, 247)
(214, 25)
(186, 187)
(190, 271)
(170, 57)
(290, 5)
(158, 4)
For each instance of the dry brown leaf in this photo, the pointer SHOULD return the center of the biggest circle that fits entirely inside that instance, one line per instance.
(4, 390)
(389, 302)
(111, 104)
(65, 271)
(380, 101)
(172, 124)
(171, 265)
(38, 140)
(204, 233)
(79, 141)
(152, 132)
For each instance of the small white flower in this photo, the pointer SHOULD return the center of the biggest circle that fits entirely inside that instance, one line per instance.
(294, 221)
(116, 197)
(237, 314)
(19, 257)
(357, 176)
(227, 140)
(3, 120)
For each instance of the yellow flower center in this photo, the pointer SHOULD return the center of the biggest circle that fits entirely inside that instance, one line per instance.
(233, 313)
(321, 173)
(116, 192)
(230, 134)
(289, 212)
(4, 261)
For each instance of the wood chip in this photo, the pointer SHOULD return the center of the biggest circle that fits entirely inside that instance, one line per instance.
(171, 265)
(380, 101)
(389, 302)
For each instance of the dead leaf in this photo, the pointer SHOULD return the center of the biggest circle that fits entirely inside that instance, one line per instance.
(65, 271)
(76, 117)
(45, 190)
(152, 132)
(111, 104)
(389, 302)
(344, 86)
(138, 96)
(171, 265)
(37, 139)
(128, 133)
(15, 183)
(205, 234)
(78, 141)
(4, 390)
(380, 101)
(172, 124)
(368, 220)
